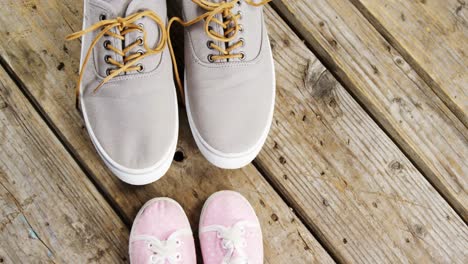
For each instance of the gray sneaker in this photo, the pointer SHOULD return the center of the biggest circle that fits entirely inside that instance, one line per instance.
(126, 91)
(229, 79)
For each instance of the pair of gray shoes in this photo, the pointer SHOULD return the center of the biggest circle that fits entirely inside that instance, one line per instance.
(127, 94)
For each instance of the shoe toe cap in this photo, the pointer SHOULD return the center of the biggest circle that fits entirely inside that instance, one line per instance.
(233, 118)
(133, 134)
(227, 208)
(160, 218)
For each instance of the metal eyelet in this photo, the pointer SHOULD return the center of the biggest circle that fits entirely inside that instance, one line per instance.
(141, 52)
(210, 58)
(141, 67)
(243, 56)
(106, 44)
(141, 26)
(240, 14)
(239, 2)
(242, 40)
(208, 44)
(102, 17)
(107, 58)
(241, 28)
(108, 71)
(140, 39)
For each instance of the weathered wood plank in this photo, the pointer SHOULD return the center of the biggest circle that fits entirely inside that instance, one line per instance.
(432, 36)
(48, 69)
(348, 180)
(49, 210)
(386, 85)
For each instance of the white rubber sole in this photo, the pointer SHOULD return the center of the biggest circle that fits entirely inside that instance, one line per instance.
(127, 175)
(229, 160)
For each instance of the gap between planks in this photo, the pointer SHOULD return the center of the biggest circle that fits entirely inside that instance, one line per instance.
(437, 179)
(53, 212)
(128, 222)
(344, 83)
(82, 165)
(37, 107)
(285, 236)
(423, 66)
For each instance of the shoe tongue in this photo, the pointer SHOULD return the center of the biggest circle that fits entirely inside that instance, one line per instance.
(234, 11)
(151, 28)
(218, 28)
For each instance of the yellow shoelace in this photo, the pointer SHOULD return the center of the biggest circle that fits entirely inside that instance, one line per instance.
(124, 26)
(230, 25)
(127, 25)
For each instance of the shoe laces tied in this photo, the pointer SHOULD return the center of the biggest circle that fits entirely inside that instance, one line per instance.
(230, 24)
(123, 27)
(163, 251)
(232, 240)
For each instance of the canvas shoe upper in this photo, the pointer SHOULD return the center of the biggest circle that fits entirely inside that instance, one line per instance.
(229, 230)
(161, 234)
(126, 91)
(229, 79)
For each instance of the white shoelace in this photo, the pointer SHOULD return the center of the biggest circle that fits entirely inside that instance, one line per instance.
(232, 240)
(164, 250)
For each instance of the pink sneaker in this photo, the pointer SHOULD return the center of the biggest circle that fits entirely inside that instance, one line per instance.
(161, 234)
(230, 231)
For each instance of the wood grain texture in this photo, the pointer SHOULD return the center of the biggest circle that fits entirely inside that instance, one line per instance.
(347, 179)
(432, 36)
(49, 210)
(386, 85)
(48, 68)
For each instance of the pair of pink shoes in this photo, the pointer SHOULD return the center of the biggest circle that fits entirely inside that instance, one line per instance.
(229, 232)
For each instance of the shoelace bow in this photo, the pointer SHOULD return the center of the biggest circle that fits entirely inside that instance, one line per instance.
(123, 26)
(232, 240)
(164, 250)
(231, 28)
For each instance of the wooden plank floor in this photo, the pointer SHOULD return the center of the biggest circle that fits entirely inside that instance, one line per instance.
(379, 176)
(432, 35)
(50, 211)
(386, 85)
